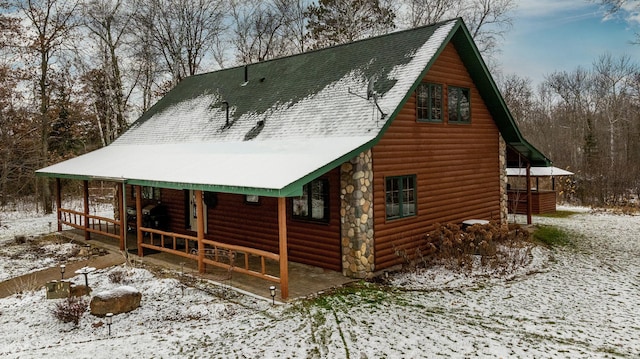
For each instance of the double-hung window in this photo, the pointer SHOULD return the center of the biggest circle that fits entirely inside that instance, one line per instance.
(429, 102)
(459, 101)
(400, 196)
(313, 205)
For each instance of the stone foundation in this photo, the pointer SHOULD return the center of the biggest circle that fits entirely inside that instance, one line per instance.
(356, 212)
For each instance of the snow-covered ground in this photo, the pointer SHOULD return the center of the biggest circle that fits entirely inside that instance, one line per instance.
(579, 301)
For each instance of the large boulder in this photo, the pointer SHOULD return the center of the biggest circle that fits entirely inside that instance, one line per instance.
(119, 300)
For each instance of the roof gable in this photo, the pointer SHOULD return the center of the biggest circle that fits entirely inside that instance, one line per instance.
(470, 55)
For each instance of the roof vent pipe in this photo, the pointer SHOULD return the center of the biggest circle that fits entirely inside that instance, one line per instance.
(246, 73)
(226, 105)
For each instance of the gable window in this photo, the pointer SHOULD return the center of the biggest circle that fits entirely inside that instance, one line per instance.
(313, 205)
(400, 196)
(459, 104)
(429, 102)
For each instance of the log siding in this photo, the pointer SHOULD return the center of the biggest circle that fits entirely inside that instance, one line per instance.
(456, 165)
(234, 221)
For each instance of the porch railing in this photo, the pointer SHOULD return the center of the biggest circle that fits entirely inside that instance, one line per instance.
(239, 259)
(96, 224)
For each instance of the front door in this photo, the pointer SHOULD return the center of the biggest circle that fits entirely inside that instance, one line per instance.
(193, 213)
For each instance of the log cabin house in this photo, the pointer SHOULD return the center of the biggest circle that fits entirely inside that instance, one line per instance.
(334, 158)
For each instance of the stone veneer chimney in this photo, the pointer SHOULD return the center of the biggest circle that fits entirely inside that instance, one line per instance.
(356, 213)
(504, 197)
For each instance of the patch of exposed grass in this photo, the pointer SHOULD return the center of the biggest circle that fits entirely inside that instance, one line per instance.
(551, 236)
(558, 214)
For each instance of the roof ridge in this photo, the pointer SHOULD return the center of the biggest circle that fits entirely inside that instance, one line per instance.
(332, 47)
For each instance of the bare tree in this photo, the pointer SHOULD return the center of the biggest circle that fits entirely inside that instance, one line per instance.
(9, 27)
(613, 89)
(258, 30)
(50, 28)
(295, 23)
(488, 21)
(110, 22)
(628, 7)
(145, 56)
(518, 94)
(424, 12)
(19, 155)
(333, 22)
(184, 32)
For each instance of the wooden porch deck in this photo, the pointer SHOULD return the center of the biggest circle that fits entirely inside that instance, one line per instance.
(304, 280)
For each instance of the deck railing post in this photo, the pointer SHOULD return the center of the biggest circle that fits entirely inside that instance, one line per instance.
(122, 204)
(87, 234)
(200, 217)
(529, 194)
(139, 234)
(59, 204)
(284, 263)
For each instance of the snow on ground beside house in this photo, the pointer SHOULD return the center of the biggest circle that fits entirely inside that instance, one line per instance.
(19, 228)
(578, 301)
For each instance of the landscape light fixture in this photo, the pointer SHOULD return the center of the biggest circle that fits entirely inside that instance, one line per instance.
(272, 291)
(109, 318)
(62, 268)
(85, 271)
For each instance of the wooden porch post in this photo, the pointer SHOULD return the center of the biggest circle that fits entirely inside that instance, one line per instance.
(529, 195)
(200, 226)
(122, 203)
(87, 235)
(139, 233)
(284, 261)
(59, 204)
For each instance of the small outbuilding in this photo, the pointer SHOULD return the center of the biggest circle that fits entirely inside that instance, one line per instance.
(539, 182)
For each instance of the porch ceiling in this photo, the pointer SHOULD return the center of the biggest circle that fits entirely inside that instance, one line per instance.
(276, 168)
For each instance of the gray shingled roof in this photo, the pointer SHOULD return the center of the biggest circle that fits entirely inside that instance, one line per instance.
(289, 119)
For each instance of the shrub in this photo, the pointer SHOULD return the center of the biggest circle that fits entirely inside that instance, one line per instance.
(449, 244)
(116, 276)
(70, 310)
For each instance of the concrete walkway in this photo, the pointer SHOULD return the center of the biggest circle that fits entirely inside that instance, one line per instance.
(40, 278)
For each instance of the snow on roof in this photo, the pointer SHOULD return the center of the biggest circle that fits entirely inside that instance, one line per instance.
(538, 172)
(219, 166)
(296, 117)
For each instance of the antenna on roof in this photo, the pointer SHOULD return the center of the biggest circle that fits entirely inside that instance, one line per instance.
(371, 93)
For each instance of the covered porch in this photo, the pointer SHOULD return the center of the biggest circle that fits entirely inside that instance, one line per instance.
(208, 257)
(305, 280)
